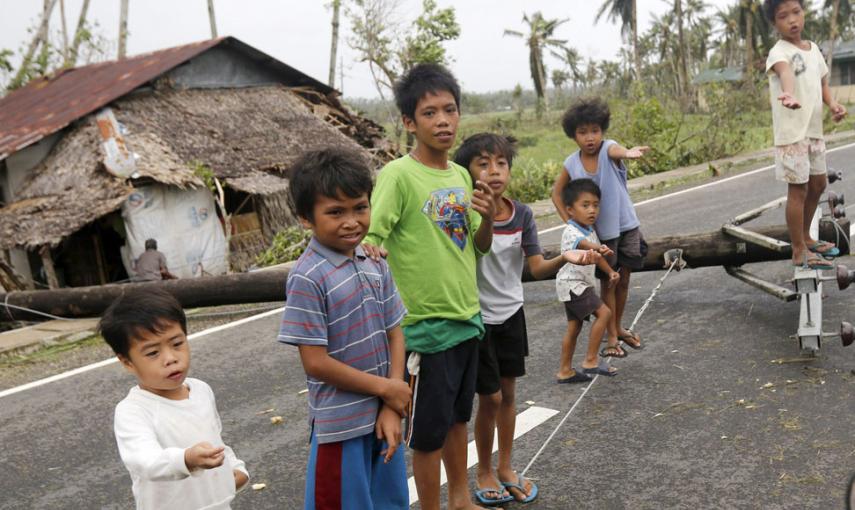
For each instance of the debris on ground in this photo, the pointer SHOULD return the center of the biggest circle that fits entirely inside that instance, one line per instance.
(276, 420)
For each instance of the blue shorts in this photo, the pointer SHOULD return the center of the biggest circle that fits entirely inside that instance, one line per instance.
(351, 475)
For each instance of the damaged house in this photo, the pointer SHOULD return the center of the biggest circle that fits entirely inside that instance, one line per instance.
(211, 119)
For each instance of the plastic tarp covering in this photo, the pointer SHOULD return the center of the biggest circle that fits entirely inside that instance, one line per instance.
(185, 225)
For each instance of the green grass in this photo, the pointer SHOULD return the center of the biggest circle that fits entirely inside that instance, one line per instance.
(50, 352)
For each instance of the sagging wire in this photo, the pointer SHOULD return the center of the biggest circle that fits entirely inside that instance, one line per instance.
(674, 261)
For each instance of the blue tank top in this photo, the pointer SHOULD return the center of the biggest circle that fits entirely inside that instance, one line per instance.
(617, 214)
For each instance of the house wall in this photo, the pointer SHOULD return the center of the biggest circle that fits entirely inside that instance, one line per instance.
(19, 164)
(221, 67)
(844, 93)
(12, 175)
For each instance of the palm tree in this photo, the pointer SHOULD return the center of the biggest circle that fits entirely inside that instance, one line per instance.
(540, 36)
(840, 11)
(571, 59)
(753, 25)
(627, 11)
(683, 69)
(728, 35)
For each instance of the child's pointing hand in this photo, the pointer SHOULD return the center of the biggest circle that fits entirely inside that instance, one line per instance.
(483, 200)
(637, 152)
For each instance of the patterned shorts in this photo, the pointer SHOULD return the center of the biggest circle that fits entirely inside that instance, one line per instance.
(796, 162)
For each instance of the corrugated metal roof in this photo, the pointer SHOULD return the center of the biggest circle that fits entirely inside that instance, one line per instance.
(718, 75)
(46, 105)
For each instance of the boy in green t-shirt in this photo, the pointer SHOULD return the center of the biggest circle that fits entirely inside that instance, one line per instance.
(433, 222)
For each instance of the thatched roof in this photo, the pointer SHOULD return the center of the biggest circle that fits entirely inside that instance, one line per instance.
(247, 136)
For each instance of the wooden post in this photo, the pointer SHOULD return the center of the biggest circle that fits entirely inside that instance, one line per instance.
(78, 36)
(212, 18)
(99, 258)
(123, 29)
(336, 5)
(47, 262)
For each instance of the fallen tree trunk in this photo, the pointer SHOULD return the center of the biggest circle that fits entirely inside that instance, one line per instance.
(699, 250)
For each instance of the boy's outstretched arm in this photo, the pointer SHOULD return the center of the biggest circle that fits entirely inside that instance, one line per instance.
(617, 151)
(838, 111)
(602, 249)
(560, 182)
(788, 85)
(395, 393)
(541, 267)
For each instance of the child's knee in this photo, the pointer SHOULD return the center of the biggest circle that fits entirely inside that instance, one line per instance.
(603, 312)
(490, 401)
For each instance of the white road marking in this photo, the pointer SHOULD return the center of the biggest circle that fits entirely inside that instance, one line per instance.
(707, 185)
(526, 421)
(103, 363)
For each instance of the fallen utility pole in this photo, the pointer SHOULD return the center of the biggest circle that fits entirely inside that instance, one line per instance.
(699, 250)
(719, 249)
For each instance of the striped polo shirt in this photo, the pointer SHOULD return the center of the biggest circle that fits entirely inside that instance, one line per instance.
(500, 271)
(347, 305)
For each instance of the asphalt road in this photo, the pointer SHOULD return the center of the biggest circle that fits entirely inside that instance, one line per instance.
(689, 422)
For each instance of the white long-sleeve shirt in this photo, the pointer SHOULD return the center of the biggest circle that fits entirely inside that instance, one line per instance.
(152, 433)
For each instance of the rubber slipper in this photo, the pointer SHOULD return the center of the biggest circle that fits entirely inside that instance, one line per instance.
(576, 378)
(606, 354)
(481, 496)
(601, 369)
(520, 486)
(825, 249)
(817, 263)
(632, 336)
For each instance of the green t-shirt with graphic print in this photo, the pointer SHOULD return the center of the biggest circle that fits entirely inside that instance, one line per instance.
(423, 217)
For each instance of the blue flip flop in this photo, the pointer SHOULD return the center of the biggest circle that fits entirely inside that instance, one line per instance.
(520, 486)
(481, 496)
(830, 249)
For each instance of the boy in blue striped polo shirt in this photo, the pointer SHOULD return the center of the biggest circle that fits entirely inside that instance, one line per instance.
(344, 312)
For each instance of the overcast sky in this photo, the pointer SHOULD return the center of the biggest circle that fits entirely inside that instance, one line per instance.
(298, 32)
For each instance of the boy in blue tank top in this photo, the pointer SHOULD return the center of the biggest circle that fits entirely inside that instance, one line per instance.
(617, 226)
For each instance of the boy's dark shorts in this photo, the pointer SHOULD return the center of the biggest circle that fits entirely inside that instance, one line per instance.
(630, 249)
(580, 307)
(501, 353)
(443, 394)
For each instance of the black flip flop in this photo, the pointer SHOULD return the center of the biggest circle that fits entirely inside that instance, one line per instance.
(605, 354)
(632, 336)
(576, 378)
(601, 369)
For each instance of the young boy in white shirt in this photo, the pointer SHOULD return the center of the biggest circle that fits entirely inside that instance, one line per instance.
(167, 427)
(798, 85)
